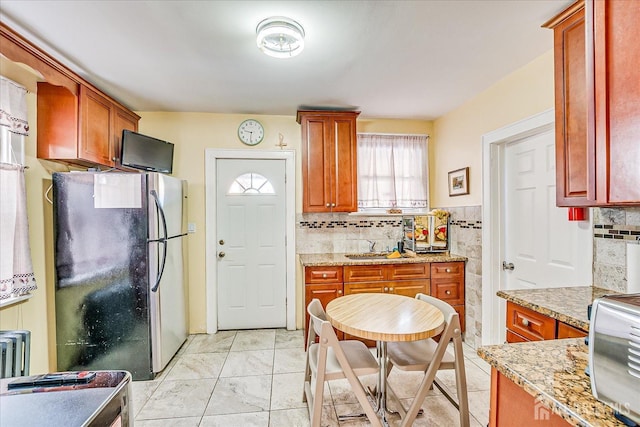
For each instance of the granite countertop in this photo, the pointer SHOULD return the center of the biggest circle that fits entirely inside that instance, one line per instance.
(568, 305)
(314, 260)
(553, 372)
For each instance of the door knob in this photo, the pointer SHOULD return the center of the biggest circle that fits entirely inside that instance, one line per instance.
(221, 254)
(221, 242)
(507, 266)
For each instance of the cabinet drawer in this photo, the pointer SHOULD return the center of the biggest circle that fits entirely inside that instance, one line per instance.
(568, 331)
(449, 290)
(409, 271)
(531, 325)
(365, 273)
(511, 337)
(365, 287)
(408, 288)
(320, 275)
(447, 269)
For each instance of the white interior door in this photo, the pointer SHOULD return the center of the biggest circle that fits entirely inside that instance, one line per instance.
(546, 249)
(251, 251)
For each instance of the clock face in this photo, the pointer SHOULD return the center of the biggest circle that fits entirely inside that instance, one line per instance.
(251, 132)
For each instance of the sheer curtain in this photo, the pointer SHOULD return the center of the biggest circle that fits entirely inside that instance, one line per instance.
(16, 270)
(392, 171)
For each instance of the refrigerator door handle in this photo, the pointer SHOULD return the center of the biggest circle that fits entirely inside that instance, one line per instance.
(161, 272)
(162, 240)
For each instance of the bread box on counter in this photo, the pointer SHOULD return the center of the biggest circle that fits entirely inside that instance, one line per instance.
(614, 354)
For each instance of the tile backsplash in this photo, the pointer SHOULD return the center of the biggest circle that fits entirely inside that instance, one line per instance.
(613, 230)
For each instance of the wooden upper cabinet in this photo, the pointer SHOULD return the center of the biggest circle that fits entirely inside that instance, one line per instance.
(329, 163)
(597, 88)
(613, 34)
(574, 165)
(83, 130)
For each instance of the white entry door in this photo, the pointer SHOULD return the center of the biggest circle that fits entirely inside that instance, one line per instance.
(545, 248)
(251, 253)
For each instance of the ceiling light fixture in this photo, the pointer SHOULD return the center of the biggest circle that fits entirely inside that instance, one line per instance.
(280, 37)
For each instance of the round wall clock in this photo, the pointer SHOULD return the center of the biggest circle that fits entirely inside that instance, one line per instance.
(251, 132)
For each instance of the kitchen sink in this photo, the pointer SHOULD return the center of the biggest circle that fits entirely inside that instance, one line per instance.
(368, 255)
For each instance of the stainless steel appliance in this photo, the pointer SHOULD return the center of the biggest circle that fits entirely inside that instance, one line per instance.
(119, 289)
(53, 400)
(614, 354)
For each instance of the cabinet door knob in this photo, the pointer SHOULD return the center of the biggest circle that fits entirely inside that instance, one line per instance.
(390, 289)
(525, 322)
(448, 270)
(333, 205)
(448, 292)
(386, 289)
(339, 292)
(324, 275)
(328, 205)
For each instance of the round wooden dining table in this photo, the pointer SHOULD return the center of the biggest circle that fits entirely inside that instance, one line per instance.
(383, 318)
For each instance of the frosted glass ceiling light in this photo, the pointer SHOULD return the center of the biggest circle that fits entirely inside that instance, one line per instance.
(280, 37)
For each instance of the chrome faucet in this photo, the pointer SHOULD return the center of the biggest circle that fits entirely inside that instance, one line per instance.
(372, 245)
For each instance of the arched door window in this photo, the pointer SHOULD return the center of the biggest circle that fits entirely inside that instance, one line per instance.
(251, 183)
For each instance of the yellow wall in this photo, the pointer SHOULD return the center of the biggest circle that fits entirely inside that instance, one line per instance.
(193, 133)
(457, 139)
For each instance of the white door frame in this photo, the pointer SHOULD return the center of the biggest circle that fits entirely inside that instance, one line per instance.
(493, 146)
(211, 275)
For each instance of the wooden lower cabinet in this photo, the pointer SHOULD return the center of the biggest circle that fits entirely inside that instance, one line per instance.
(511, 406)
(524, 325)
(442, 280)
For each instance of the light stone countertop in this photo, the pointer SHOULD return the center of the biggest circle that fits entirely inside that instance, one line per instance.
(568, 305)
(314, 260)
(553, 372)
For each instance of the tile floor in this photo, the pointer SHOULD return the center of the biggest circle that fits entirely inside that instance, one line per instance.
(254, 378)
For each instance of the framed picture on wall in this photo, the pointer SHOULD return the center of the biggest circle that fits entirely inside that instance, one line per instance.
(459, 182)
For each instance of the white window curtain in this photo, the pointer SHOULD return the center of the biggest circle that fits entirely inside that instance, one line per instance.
(392, 171)
(16, 270)
(13, 121)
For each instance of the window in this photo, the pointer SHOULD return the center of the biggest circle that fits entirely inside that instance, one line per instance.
(251, 183)
(392, 172)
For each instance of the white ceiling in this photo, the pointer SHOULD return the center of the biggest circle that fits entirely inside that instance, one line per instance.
(390, 59)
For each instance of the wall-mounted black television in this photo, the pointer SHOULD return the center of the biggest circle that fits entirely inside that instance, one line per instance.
(145, 152)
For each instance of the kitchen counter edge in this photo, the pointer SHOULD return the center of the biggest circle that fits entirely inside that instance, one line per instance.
(553, 372)
(315, 260)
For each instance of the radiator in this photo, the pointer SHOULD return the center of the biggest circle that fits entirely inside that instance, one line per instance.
(15, 349)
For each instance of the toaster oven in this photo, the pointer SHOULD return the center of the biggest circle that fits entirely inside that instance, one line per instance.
(614, 354)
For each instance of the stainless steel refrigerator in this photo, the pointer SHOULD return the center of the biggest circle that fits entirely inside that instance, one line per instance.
(120, 288)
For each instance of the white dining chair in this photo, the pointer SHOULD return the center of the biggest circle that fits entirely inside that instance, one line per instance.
(330, 359)
(429, 357)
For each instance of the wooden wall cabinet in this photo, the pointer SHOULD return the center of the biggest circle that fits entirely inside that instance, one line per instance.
(597, 58)
(83, 130)
(447, 284)
(329, 163)
(524, 325)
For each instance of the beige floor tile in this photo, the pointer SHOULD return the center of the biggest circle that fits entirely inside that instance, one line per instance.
(261, 339)
(290, 339)
(141, 391)
(250, 419)
(173, 422)
(248, 363)
(211, 343)
(178, 399)
(479, 403)
(197, 366)
(240, 395)
(286, 391)
(298, 417)
(289, 360)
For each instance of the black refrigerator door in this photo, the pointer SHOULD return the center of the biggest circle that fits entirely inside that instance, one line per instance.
(101, 259)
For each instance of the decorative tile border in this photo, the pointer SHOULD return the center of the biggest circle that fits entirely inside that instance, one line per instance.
(463, 223)
(616, 232)
(378, 223)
